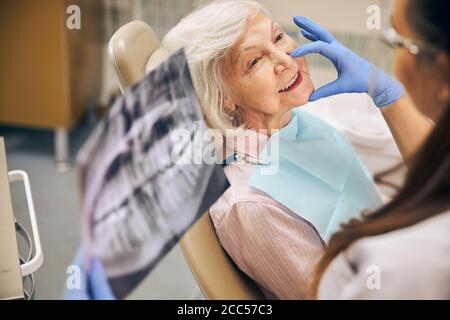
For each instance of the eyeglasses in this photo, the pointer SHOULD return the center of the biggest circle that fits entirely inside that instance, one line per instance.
(391, 38)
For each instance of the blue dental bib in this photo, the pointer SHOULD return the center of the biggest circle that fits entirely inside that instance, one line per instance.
(317, 175)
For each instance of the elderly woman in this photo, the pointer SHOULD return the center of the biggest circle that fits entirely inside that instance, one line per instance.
(247, 81)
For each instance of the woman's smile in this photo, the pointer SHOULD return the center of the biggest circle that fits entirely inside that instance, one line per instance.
(293, 83)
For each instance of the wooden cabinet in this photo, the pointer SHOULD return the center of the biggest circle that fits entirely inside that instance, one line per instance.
(48, 73)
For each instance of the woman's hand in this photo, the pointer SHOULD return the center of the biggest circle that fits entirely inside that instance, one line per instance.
(94, 283)
(354, 73)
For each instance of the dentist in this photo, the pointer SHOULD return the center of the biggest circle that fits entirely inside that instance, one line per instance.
(401, 251)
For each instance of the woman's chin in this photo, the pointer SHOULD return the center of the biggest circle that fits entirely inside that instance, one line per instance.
(299, 97)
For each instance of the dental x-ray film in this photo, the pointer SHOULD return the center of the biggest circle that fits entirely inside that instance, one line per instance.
(138, 197)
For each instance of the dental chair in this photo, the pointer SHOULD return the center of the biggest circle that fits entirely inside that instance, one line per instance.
(135, 49)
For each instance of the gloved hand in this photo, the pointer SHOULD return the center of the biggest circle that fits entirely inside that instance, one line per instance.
(354, 73)
(94, 284)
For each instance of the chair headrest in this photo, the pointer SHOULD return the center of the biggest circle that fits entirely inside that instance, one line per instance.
(135, 49)
(158, 56)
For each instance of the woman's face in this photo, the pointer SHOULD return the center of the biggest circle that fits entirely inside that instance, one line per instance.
(264, 80)
(424, 78)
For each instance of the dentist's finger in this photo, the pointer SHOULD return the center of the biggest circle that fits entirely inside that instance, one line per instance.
(99, 282)
(319, 32)
(323, 48)
(327, 90)
(308, 35)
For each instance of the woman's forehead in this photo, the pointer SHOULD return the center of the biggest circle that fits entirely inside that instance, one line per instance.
(259, 28)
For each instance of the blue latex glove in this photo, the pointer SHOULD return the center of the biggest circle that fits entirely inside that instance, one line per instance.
(94, 285)
(353, 71)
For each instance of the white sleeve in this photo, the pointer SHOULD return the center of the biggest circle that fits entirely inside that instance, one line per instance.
(401, 265)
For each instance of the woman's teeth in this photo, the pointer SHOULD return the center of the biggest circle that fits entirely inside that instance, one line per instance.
(289, 85)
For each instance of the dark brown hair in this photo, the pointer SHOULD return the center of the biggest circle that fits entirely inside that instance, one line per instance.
(426, 190)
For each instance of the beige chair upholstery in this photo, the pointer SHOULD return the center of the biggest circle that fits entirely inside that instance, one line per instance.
(135, 49)
(216, 274)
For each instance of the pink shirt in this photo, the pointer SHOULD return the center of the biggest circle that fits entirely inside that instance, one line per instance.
(266, 240)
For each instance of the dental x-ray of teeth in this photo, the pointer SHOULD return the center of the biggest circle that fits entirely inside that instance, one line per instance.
(137, 200)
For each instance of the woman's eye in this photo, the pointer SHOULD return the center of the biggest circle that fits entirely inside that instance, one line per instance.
(279, 37)
(253, 62)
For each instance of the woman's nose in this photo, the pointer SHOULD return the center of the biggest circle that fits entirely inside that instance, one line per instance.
(282, 61)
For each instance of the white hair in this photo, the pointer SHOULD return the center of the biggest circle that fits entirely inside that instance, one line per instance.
(206, 35)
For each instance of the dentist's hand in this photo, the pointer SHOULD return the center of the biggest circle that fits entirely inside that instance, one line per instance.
(354, 73)
(93, 284)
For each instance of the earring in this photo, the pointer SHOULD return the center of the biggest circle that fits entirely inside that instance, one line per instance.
(235, 116)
